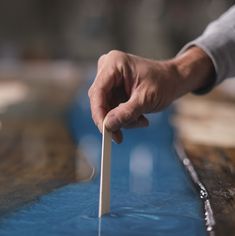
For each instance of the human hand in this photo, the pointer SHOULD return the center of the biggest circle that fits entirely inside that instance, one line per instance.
(126, 87)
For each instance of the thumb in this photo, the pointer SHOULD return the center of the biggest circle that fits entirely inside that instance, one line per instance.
(123, 115)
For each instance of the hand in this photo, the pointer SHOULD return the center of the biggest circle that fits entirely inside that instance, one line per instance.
(127, 86)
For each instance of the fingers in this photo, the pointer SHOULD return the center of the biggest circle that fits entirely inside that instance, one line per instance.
(100, 94)
(99, 107)
(114, 78)
(117, 136)
(126, 114)
(141, 122)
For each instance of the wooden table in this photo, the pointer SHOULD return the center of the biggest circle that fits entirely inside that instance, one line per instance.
(206, 126)
(37, 153)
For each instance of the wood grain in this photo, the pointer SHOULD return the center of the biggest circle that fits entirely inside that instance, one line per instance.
(206, 126)
(37, 153)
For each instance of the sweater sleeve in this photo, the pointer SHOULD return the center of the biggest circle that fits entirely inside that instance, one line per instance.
(218, 41)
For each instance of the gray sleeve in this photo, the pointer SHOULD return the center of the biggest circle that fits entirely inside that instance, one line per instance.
(218, 41)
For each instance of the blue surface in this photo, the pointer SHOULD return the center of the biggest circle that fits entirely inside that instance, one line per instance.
(151, 194)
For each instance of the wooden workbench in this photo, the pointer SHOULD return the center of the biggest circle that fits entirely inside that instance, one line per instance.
(206, 126)
(37, 153)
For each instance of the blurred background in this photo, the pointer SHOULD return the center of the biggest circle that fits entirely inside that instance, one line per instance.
(82, 30)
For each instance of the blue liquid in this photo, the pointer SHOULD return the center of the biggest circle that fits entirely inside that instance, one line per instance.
(151, 194)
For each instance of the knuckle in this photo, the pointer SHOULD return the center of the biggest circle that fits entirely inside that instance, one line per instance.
(114, 52)
(119, 60)
(117, 55)
(101, 59)
(90, 92)
(128, 116)
(112, 73)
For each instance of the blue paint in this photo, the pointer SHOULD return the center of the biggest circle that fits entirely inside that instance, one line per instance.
(161, 201)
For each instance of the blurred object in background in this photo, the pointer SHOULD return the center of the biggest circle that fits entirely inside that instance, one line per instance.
(208, 120)
(83, 30)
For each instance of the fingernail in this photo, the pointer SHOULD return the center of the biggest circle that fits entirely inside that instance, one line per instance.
(111, 122)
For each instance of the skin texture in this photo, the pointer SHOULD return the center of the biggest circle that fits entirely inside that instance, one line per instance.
(127, 86)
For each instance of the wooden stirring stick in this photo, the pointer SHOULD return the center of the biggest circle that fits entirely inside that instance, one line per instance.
(104, 202)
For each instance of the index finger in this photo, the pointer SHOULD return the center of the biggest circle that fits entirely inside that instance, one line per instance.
(99, 93)
(99, 106)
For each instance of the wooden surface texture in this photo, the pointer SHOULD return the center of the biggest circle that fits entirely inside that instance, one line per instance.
(206, 126)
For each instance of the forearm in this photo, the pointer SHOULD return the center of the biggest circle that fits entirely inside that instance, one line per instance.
(218, 41)
(195, 71)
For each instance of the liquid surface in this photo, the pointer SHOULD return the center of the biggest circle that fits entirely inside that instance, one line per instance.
(151, 194)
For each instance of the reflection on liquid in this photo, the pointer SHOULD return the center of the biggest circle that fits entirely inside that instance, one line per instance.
(141, 167)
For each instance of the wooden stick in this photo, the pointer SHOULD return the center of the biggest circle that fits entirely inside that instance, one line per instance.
(104, 202)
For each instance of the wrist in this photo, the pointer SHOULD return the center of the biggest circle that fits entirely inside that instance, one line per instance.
(195, 71)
